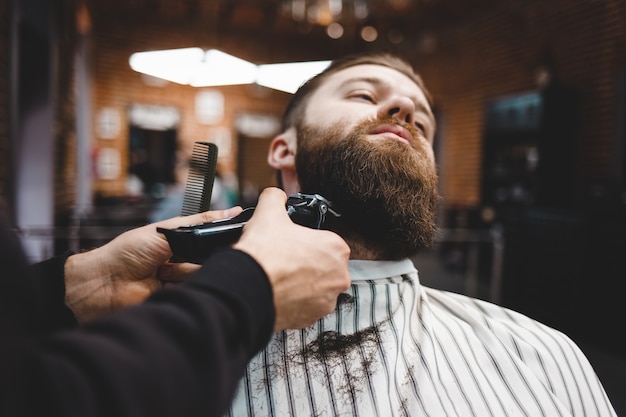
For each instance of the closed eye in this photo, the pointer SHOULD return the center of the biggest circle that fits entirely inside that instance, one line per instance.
(363, 96)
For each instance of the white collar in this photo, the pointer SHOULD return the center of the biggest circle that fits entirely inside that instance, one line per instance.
(361, 270)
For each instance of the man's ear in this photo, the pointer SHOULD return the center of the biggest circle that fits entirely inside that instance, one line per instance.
(282, 151)
(282, 157)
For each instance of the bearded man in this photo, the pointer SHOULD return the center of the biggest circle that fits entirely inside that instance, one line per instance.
(360, 134)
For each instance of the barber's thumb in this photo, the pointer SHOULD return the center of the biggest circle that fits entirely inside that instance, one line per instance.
(272, 196)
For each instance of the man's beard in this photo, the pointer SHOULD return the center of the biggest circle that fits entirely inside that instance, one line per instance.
(385, 191)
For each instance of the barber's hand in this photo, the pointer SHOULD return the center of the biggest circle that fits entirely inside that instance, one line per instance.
(307, 268)
(128, 269)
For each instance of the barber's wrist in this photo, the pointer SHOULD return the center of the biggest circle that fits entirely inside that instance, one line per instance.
(237, 276)
(85, 279)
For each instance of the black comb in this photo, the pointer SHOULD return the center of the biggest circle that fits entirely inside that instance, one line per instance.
(199, 187)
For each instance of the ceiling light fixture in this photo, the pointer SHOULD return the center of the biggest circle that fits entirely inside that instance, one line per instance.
(194, 66)
(334, 30)
(369, 33)
(197, 68)
(289, 76)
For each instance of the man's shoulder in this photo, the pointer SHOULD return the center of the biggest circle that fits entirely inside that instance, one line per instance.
(487, 318)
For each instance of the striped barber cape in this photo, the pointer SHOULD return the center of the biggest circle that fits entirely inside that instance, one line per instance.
(396, 348)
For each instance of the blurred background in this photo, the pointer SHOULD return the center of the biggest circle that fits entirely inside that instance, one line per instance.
(529, 96)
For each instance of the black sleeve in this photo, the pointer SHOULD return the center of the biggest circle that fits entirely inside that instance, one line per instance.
(50, 279)
(181, 353)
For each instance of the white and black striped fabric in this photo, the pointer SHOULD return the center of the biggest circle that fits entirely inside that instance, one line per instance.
(396, 348)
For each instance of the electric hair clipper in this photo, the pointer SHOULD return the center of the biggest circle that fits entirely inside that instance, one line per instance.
(196, 242)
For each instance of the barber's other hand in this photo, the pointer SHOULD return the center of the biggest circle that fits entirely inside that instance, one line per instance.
(128, 269)
(307, 268)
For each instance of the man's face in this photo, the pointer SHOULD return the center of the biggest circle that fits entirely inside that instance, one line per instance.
(363, 92)
(366, 144)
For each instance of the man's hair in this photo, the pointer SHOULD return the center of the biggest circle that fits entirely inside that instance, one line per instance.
(296, 107)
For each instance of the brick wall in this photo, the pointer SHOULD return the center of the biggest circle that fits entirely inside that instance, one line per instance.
(65, 108)
(116, 86)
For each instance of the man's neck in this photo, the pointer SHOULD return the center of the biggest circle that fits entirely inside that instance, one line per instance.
(359, 250)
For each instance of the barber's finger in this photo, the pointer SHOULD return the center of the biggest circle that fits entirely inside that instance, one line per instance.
(209, 216)
(176, 272)
(273, 194)
(203, 217)
(272, 199)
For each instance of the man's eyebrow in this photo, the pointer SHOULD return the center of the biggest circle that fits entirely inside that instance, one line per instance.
(369, 80)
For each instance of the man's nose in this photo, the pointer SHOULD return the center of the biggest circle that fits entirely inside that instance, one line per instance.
(401, 108)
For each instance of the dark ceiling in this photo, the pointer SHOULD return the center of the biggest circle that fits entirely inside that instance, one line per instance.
(245, 13)
(278, 20)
